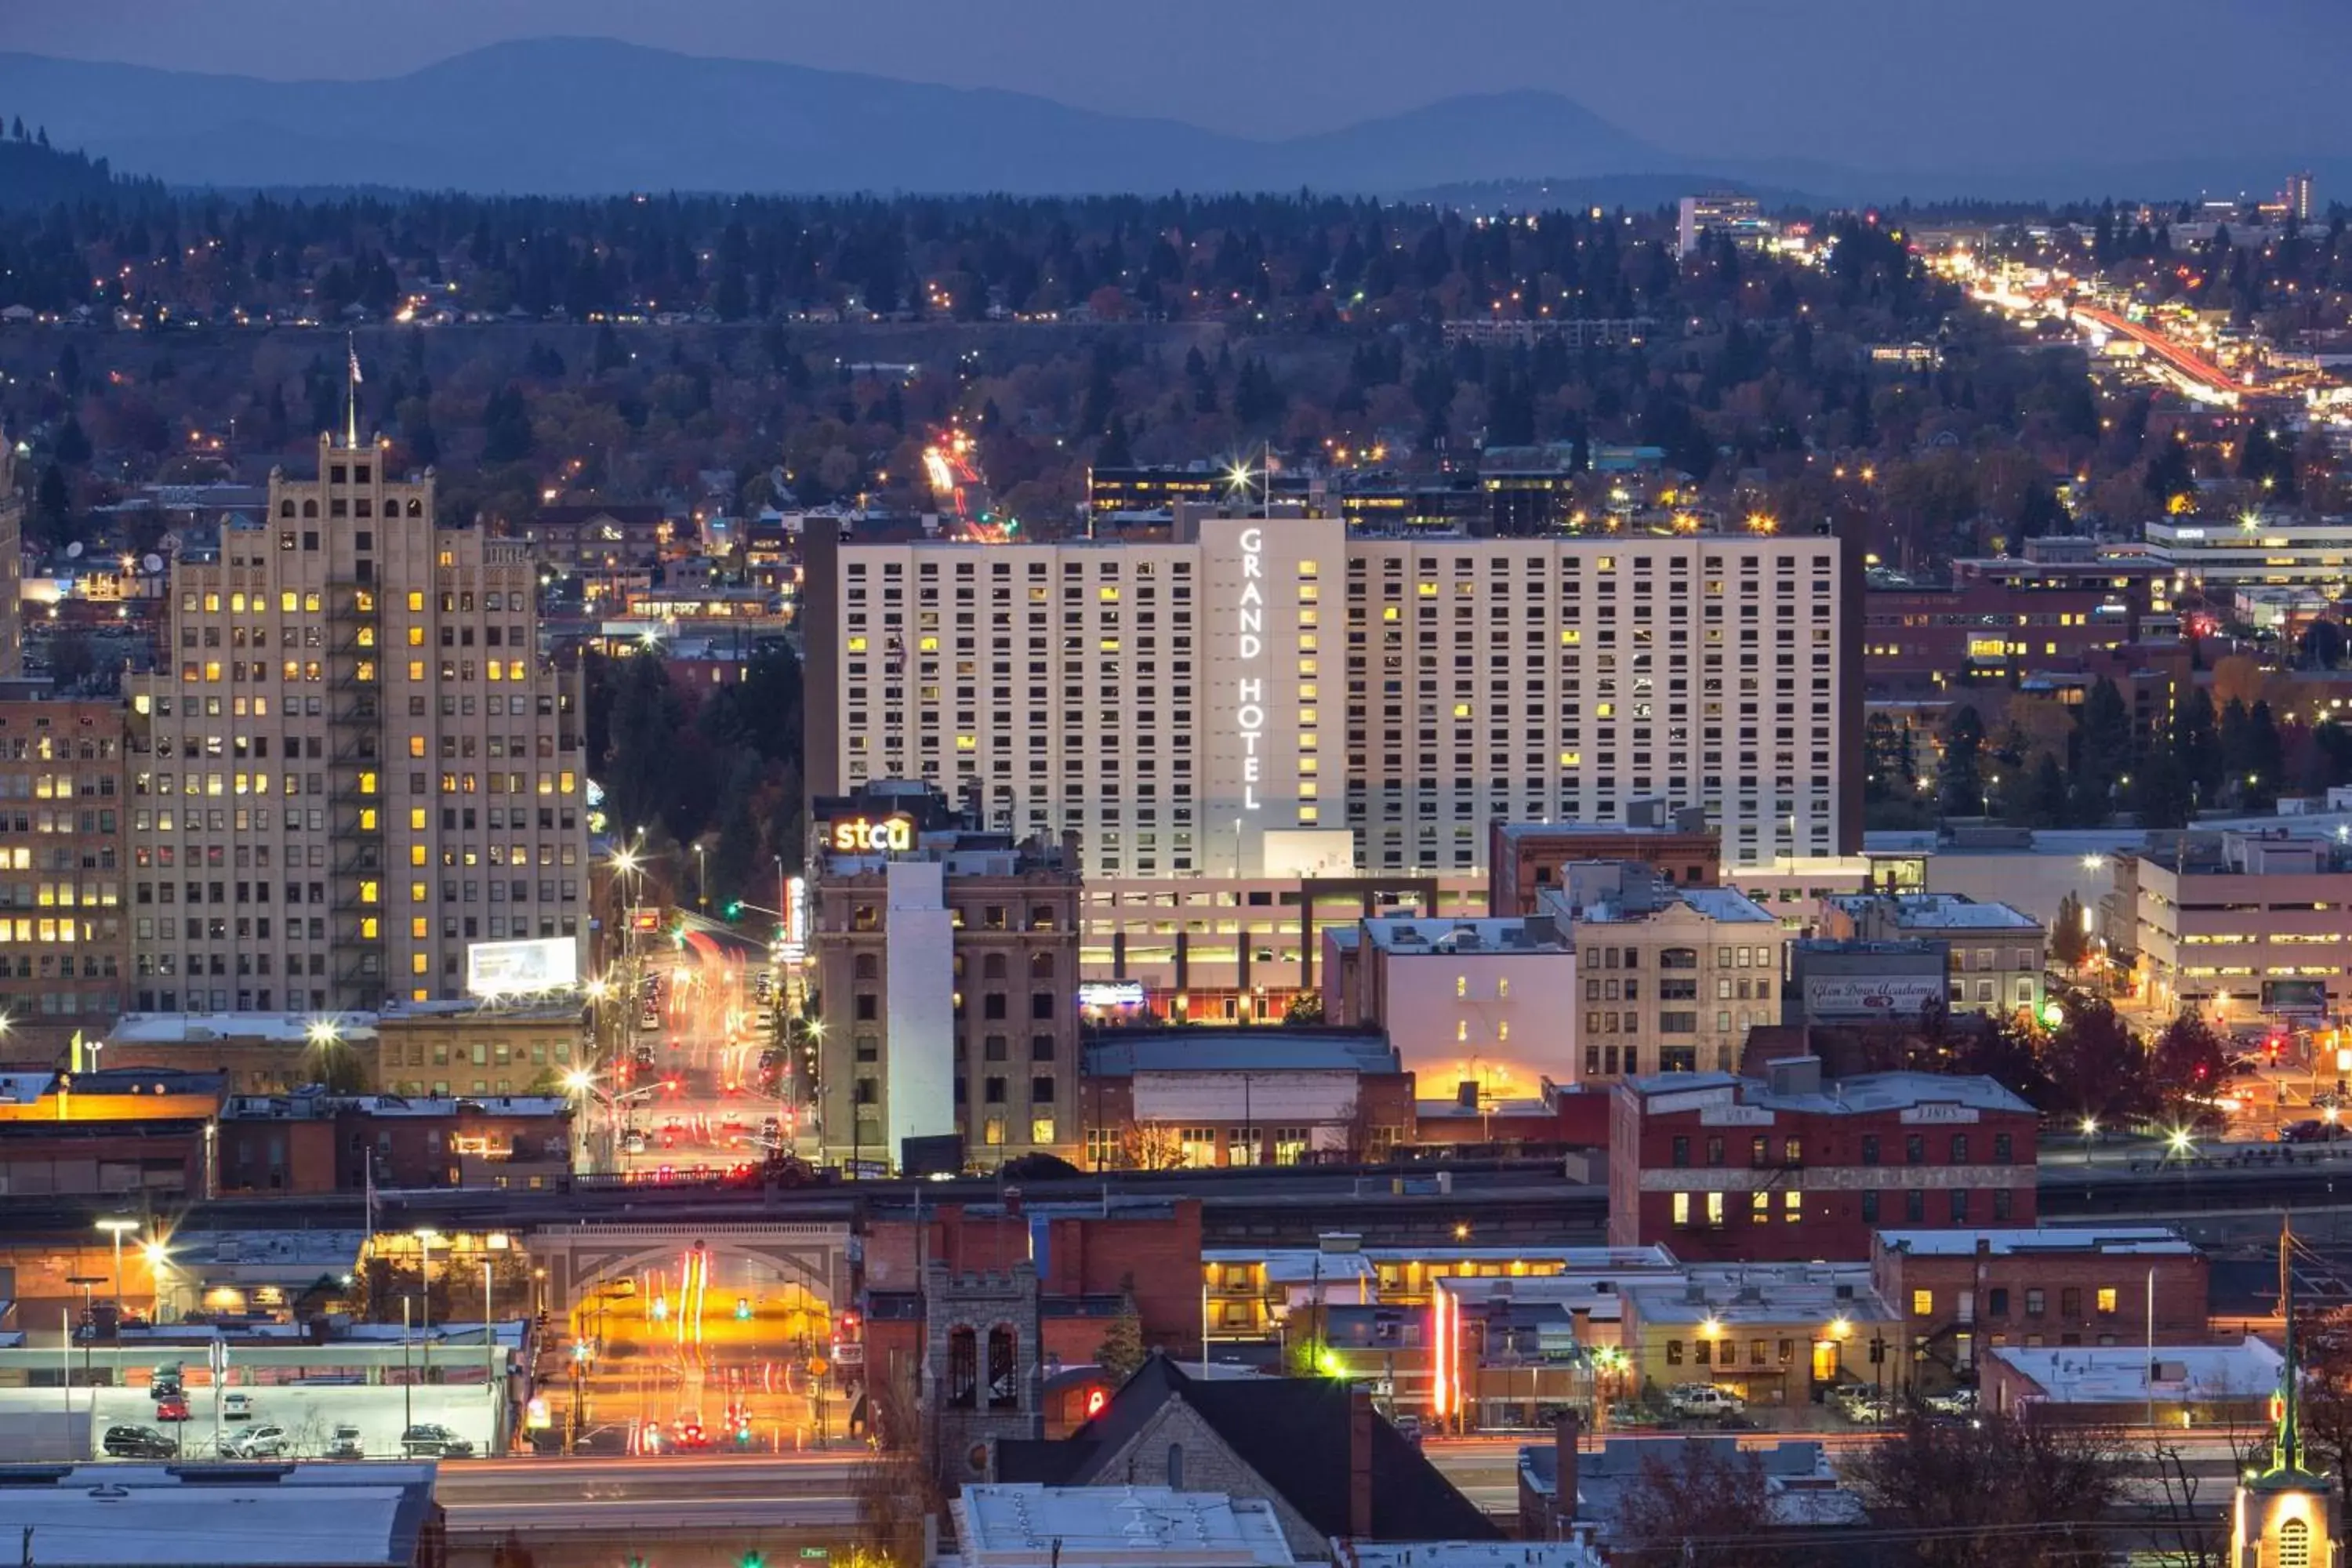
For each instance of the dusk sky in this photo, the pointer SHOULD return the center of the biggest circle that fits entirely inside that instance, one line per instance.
(1996, 83)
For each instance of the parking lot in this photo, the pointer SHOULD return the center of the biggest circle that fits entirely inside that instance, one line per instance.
(308, 1412)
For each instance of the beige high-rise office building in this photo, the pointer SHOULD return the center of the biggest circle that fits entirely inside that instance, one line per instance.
(352, 761)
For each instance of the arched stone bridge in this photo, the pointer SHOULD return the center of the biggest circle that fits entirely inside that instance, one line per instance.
(745, 1259)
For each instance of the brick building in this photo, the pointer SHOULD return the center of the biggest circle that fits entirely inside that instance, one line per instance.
(1964, 1292)
(260, 1053)
(2058, 607)
(442, 1048)
(1723, 1168)
(594, 536)
(1147, 1249)
(132, 1134)
(1525, 857)
(948, 962)
(1997, 954)
(316, 1142)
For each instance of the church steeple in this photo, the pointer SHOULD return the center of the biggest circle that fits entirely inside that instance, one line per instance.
(2287, 1453)
(2285, 1515)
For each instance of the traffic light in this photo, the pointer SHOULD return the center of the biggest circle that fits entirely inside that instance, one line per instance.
(753, 1560)
(734, 911)
(742, 1309)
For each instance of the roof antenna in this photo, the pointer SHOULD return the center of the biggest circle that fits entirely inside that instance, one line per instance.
(351, 394)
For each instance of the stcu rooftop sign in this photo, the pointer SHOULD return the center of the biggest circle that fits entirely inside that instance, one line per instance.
(892, 835)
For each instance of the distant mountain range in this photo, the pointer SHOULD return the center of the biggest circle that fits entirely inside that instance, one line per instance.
(587, 117)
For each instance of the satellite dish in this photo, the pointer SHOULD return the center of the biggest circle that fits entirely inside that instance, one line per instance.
(73, 551)
(150, 564)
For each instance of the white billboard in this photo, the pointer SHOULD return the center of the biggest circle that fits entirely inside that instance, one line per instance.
(1870, 995)
(507, 968)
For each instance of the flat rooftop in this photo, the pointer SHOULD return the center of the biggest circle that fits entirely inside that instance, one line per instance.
(350, 1515)
(2118, 1375)
(1499, 936)
(1024, 1523)
(1937, 911)
(1862, 1095)
(2122, 1241)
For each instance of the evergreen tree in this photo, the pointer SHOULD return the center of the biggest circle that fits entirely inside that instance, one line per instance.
(2197, 743)
(1960, 785)
(52, 503)
(1112, 451)
(506, 426)
(609, 355)
(2160, 790)
(1121, 1352)
(73, 446)
(2044, 801)
(2101, 746)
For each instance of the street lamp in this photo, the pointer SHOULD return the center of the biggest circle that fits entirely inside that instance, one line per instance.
(2180, 1143)
(158, 1256)
(425, 1240)
(118, 1226)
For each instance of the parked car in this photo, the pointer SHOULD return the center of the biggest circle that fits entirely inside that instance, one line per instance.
(172, 1407)
(429, 1439)
(1409, 1428)
(1702, 1399)
(237, 1406)
(139, 1443)
(1953, 1402)
(346, 1444)
(267, 1442)
(1867, 1408)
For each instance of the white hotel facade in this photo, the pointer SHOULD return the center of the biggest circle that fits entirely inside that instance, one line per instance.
(1265, 714)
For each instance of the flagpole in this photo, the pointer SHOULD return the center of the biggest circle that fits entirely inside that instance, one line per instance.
(351, 394)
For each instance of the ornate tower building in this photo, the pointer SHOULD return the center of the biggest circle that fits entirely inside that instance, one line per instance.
(2285, 1515)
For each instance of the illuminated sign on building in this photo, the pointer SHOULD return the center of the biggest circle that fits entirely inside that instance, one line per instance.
(1249, 709)
(1111, 994)
(793, 947)
(510, 968)
(890, 836)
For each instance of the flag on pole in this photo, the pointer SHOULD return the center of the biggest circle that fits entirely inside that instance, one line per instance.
(356, 377)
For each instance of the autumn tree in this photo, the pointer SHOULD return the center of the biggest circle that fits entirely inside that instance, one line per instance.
(2069, 943)
(897, 1486)
(1150, 1146)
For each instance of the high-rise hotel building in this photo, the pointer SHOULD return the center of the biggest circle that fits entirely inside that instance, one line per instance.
(1264, 708)
(352, 761)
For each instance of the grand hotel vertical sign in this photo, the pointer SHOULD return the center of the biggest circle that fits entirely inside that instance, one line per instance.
(1249, 694)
